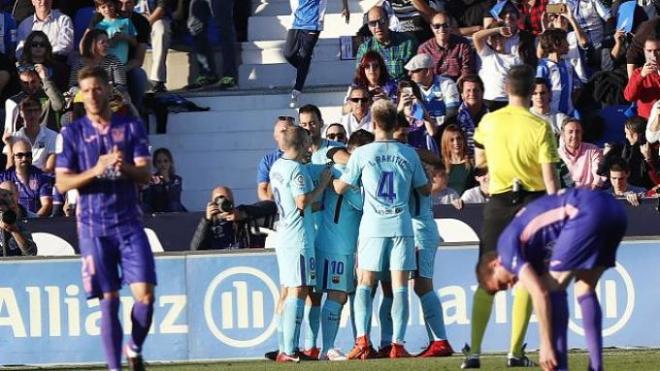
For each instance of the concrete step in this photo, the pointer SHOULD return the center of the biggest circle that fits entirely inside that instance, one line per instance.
(269, 52)
(283, 7)
(275, 27)
(321, 73)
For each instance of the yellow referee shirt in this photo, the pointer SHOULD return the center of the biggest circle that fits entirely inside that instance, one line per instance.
(516, 143)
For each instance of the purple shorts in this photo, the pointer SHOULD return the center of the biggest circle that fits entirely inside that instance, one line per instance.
(109, 261)
(591, 239)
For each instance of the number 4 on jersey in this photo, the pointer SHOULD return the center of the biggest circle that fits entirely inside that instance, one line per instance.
(386, 186)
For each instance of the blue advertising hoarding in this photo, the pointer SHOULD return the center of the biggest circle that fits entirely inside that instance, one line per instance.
(220, 306)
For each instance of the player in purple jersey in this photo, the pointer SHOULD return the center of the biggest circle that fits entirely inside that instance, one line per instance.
(574, 234)
(106, 156)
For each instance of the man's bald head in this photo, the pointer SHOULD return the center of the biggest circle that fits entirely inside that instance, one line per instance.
(222, 191)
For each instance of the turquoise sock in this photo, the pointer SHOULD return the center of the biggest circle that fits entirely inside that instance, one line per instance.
(291, 320)
(385, 318)
(362, 309)
(330, 323)
(280, 334)
(313, 315)
(400, 314)
(433, 316)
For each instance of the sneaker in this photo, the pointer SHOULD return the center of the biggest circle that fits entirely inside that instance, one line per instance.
(384, 351)
(201, 82)
(521, 361)
(438, 348)
(362, 349)
(284, 358)
(333, 355)
(227, 82)
(134, 359)
(398, 351)
(272, 355)
(158, 87)
(294, 98)
(471, 360)
(310, 354)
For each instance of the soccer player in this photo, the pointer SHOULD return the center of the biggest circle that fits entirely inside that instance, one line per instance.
(106, 156)
(336, 242)
(556, 238)
(388, 172)
(294, 194)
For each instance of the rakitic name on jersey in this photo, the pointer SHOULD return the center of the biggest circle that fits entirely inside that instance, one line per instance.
(400, 161)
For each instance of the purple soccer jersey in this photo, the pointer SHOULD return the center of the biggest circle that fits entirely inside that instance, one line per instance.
(577, 229)
(108, 202)
(29, 195)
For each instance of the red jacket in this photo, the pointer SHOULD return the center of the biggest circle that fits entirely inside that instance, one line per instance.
(644, 91)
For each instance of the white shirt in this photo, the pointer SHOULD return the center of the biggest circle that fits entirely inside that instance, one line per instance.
(351, 124)
(43, 145)
(445, 197)
(57, 26)
(493, 70)
(653, 136)
(554, 118)
(591, 15)
(474, 196)
(575, 57)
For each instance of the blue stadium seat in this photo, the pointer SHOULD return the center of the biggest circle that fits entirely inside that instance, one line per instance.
(613, 119)
(80, 23)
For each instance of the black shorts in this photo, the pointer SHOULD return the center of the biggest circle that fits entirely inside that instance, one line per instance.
(498, 213)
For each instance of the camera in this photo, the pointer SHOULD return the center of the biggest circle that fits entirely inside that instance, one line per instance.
(224, 204)
(8, 217)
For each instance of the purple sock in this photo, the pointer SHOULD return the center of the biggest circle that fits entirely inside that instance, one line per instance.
(592, 320)
(559, 305)
(111, 332)
(141, 316)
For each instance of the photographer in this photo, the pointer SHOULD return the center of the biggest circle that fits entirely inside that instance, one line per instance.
(227, 227)
(14, 238)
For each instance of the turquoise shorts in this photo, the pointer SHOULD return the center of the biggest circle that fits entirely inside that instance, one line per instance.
(336, 272)
(297, 267)
(379, 254)
(425, 258)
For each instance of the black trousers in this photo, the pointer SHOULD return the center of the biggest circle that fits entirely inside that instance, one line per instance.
(298, 52)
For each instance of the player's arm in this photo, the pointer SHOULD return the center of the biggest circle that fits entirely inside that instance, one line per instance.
(338, 155)
(308, 198)
(66, 180)
(137, 172)
(541, 303)
(479, 156)
(550, 178)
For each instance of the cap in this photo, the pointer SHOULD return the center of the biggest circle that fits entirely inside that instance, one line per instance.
(419, 61)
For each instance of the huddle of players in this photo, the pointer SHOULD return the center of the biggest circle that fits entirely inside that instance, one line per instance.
(380, 194)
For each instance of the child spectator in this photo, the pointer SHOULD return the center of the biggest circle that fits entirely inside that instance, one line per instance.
(478, 194)
(560, 73)
(441, 194)
(163, 194)
(121, 31)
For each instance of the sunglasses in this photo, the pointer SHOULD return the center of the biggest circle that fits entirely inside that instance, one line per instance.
(372, 66)
(438, 26)
(359, 100)
(25, 67)
(37, 44)
(377, 23)
(336, 136)
(23, 154)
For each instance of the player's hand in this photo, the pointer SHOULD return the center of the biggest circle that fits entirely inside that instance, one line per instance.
(104, 162)
(649, 68)
(506, 31)
(212, 209)
(547, 359)
(119, 164)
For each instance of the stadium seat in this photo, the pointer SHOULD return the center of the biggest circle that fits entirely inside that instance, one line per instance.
(454, 230)
(80, 22)
(154, 242)
(612, 119)
(51, 245)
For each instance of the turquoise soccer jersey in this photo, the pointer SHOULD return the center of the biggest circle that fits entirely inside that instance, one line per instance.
(388, 171)
(424, 226)
(341, 215)
(320, 156)
(289, 179)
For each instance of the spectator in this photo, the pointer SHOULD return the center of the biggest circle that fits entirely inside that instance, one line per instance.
(199, 18)
(578, 42)
(95, 52)
(163, 194)
(653, 125)
(520, 42)
(439, 94)
(479, 193)
(227, 227)
(35, 187)
(420, 127)
(452, 54)
(456, 159)
(57, 26)
(635, 55)
(64, 204)
(359, 116)
(619, 173)
(158, 14)
(38, 50)
(559, 72)
(336, 132)
(582, 159)
(121, 31)
(396, 48)
(529, 15)
(372, 74)
(495, 63)
(35, 82)
(414, 16)
(591, 16)
(441, 193)
(472, 109)
(40, 138)
(8, 36)
(22, 212)
(541, 106)
(644, 84)
(17, 240)
(264, 193)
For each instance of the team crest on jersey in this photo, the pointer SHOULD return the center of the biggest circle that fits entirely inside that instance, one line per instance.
(300, 180)
(34, 183)
(117, 134)
(335, 280)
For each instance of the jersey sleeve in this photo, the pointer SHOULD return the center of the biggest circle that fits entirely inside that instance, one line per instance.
(509, 250)
(353, 170)
(300, 182)
(263, 173)
(452, 98)
(66, 158)
(548, 148)
(46, 187)
(140, 141)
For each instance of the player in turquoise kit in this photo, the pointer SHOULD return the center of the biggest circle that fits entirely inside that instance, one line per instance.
(294, 193)
(388, 172)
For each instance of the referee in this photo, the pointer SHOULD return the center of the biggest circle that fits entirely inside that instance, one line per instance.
(520, 152)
